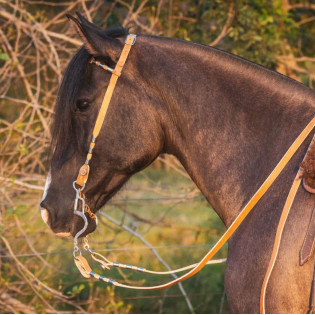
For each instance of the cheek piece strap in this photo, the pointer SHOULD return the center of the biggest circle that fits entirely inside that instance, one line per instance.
(80, 206)
(116, 73)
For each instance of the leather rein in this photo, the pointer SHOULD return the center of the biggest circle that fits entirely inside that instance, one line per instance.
(81, 208)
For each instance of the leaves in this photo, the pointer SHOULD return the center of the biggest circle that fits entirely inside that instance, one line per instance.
(4, 57)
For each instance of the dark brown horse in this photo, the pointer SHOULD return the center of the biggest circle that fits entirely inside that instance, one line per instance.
(227, 120)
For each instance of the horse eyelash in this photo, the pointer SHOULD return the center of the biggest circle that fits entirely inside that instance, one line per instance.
(84, 109)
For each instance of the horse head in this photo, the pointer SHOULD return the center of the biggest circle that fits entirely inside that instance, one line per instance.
(130, 139)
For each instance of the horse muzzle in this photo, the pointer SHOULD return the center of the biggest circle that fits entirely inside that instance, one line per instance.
(45, 216)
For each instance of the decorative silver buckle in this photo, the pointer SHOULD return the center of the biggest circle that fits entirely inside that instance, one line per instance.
(134, 39)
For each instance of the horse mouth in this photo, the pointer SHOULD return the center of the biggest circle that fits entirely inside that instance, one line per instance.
(63, 234)
(68, 226)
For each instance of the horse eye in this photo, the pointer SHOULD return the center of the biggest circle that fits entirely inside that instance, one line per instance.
(83, 105)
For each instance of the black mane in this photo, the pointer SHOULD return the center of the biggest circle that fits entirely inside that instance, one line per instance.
(64, 140)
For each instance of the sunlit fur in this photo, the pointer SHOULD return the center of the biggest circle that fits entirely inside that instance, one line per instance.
(227, 120)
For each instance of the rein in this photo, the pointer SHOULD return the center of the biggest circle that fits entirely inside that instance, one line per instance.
(81, 208)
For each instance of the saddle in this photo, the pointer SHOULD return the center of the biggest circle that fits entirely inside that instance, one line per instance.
(307, 249)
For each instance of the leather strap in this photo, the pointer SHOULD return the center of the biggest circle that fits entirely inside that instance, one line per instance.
(111, 86)
(242, 215)
(285, 212)
(83, 266)
(283, 218)
(249, 206)
(85, 169)
(307, 248)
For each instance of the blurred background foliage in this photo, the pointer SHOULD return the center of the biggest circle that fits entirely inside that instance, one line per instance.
(160, 213)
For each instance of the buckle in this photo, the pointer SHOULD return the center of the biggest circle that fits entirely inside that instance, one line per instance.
(130, 39)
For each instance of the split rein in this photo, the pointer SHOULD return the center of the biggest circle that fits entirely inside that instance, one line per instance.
(81, 208)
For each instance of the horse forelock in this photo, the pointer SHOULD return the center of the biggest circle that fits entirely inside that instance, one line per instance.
(62, 130)
(64, 139)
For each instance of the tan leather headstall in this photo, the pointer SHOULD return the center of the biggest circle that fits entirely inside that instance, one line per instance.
(116, 73)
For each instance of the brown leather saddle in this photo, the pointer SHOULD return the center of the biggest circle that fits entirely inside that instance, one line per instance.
(307, 249)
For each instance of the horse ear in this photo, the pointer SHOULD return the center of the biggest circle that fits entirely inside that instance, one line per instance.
(94, 38)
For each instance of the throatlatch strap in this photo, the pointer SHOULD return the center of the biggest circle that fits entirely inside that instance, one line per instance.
(85, 169)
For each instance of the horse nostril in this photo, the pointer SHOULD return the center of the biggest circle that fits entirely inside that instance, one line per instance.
(45, 215)
(42, 204)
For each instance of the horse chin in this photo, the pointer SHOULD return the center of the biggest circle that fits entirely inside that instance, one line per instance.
(78, 223)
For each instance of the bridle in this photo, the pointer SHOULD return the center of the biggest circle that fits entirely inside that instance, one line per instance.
(79, 183)
(81, 208)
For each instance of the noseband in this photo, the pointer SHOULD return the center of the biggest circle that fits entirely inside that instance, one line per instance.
(81, 208)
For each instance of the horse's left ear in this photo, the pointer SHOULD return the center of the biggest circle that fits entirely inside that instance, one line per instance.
(95, 39)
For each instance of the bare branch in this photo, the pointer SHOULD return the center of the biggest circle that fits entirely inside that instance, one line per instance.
(225, 30)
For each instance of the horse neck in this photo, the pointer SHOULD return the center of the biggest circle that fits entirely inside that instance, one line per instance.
(226, 119)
